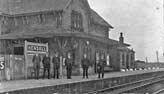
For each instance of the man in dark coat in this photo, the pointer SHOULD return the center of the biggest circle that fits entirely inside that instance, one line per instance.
(69, 64)
(56, 65)
(36, 63)
(85, 65)
(100, 67)
(46, 65)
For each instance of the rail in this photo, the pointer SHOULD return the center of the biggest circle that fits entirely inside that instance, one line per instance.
(128, 86)
(159, 91)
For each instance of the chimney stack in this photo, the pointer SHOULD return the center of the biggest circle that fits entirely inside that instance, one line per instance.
(121, 39)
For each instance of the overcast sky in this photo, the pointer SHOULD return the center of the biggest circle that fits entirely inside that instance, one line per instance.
(140, 21)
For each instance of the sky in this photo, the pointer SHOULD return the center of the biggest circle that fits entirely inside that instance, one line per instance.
(141, 21)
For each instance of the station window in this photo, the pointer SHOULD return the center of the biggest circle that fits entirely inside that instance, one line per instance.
(18, 50)
(59, 18)
(76, 21)
(41, 18)
(4, 20)
(25, 21)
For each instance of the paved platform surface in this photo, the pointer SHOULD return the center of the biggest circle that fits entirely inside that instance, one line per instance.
(13, 85)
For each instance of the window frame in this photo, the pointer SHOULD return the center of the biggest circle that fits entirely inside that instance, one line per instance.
(76, 21)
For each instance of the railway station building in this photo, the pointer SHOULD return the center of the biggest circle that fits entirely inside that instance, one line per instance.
(58, 26)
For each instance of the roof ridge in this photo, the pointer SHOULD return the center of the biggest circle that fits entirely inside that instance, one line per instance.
(69, 2)
(94, 13)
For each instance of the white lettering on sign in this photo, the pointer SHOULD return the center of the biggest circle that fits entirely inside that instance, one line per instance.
(31, 47)
(2, 63)
(36, 48)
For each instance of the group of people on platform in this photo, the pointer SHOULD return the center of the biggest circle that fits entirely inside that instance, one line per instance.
(85, 63)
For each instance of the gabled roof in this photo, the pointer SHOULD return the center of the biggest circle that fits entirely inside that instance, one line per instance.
(98, 19)
(14, 7)
(28, 6)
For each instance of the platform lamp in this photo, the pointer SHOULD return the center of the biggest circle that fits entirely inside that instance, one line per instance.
(87, 42)
(87, 49)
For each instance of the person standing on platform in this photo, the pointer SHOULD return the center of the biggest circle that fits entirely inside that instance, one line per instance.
(85, 65)
(69, 64)
(100, 67)
(56, 65)
(36, 62)
(46, 65)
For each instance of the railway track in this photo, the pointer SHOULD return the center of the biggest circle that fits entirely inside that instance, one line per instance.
(161, 91)
(120, 89)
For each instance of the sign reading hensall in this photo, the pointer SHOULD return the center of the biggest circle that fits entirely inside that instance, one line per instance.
(36, 47)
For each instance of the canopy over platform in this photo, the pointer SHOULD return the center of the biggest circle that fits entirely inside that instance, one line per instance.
(33, 33)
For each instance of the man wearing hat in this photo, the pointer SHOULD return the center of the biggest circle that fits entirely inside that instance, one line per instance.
(46, 65)
(36, 62)
(69, 64)
(85, 65)
(56, 65)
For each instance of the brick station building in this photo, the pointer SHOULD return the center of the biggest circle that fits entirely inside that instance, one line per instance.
(68, 26)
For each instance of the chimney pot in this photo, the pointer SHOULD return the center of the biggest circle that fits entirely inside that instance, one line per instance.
(121, 39)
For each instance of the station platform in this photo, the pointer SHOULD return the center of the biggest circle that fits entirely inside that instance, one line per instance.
(14, 85)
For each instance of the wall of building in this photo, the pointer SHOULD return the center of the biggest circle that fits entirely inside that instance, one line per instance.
(82, 48)
(115, 59)
(0, 24)
(26, 22)
(99, 30)
(126, 59)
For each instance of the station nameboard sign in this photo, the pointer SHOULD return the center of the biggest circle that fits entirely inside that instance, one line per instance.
(36, 48)
(2, 63)
(31, 47)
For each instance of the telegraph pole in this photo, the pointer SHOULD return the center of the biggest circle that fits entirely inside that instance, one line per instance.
(146, 60)
(157, 57)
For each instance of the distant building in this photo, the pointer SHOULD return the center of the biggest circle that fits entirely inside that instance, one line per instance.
(68, 26)
(127, 56)
(152, 65)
